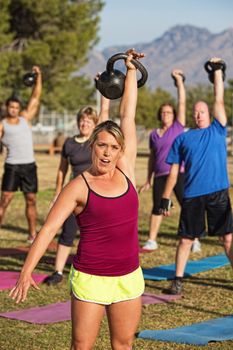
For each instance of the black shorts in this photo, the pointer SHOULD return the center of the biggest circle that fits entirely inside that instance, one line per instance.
(21, 177)
(69, 231)
(158, 188)
(217, 208)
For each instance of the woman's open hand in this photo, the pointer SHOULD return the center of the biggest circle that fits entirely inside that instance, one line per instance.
(19, 292)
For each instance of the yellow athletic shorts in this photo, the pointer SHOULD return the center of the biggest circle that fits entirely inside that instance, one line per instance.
(106, 290)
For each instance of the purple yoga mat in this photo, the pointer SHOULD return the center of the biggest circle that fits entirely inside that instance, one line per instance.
(42, 315)
(8, 279)
(158, 299)
(59, 312)
(11, 251)
(24, 249)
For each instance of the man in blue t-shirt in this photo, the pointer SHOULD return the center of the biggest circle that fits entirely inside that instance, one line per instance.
(203, 150)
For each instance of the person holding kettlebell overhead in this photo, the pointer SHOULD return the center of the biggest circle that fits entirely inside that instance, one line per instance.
(105, 274)
(160, 141)
(203, 150)
(20, 168)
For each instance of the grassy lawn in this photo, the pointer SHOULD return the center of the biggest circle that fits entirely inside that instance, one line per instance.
(207, 295)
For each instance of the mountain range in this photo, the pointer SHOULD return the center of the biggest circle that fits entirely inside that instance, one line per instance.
(183, 46)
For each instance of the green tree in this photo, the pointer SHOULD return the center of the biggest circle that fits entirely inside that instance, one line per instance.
(229, 102)
(148, 105)
(206, 93)
(54, 34)
(196, 93)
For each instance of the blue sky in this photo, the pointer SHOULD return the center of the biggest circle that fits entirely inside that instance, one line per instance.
(134, 21)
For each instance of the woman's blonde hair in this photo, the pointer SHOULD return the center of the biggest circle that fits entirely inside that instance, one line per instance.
(110, 127)
(89, 112)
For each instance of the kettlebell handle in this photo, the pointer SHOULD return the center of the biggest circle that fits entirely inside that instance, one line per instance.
(174, 79)
(211, 67)
(136, 63)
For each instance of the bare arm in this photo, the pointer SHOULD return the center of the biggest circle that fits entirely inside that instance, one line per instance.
(1, 130)
(181, 96)
(150, 171)
(127, 114)
(67, 201)
(104, 109)
(219, 108)
(170, 183)
(30, 112)
(61, 174)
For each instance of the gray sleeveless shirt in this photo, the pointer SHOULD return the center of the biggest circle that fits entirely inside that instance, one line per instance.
(18, 140)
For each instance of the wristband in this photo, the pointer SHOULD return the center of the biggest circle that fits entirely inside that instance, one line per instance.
(165, 205)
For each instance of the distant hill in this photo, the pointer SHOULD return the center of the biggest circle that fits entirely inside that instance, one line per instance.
(183, 46)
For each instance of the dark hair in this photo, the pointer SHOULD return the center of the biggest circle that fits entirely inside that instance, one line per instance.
(13, 99)
(159, 113)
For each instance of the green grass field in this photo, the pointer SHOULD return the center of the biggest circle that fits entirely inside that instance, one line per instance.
(207, 295)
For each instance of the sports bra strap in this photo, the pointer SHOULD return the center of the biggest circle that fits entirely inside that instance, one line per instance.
(85, 181)
(116, 168)
(121, 171)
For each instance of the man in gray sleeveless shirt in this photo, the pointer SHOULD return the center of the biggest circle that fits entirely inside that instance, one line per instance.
(20, 168)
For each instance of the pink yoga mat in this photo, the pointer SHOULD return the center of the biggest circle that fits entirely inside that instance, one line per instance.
(8, 279)
(59, 312)
(12, 251)
(42, 315)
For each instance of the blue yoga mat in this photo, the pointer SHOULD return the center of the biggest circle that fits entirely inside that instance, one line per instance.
(167, 272)
(201, 333)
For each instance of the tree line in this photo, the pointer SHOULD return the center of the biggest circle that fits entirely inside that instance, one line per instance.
(54, 34)
(57, 35)
(149, 102)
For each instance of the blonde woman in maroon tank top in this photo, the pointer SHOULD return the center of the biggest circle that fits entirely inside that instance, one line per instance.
(105, 274)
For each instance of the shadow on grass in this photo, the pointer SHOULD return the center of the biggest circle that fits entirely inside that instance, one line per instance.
(15, 229)
(15, 262)
(185, 305)
(210, 282)
(9, 264)
(161, 235)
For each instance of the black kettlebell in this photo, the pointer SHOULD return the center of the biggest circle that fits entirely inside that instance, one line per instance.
(29, 79)
(111, 82)
(211, 67)
(174, 79)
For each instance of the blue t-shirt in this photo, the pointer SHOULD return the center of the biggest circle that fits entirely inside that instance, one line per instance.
(205, 156)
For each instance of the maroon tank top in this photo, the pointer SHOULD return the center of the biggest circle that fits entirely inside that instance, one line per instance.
(108, 243)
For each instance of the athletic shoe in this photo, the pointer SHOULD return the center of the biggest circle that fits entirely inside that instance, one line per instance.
(30, 239)
(196, 247)
(54, 279)
(150, 245)
(176, 287)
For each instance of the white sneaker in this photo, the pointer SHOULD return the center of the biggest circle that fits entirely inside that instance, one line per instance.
(150, 245)
(196, 247)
